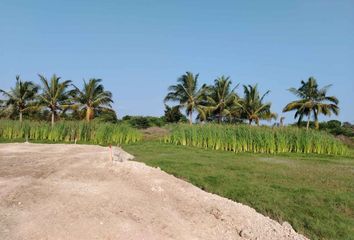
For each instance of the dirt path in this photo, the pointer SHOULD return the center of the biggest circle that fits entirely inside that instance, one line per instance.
(74, 192)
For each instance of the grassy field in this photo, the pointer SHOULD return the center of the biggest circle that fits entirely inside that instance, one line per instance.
(315, 193)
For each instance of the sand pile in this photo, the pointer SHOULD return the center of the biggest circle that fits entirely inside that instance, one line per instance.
(75, 192)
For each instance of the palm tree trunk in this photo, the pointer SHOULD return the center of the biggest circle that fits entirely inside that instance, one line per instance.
(20, 117)
(316, 120)
(88, 114)
(250, 121)
(190, 118)
(308, 121)
(53, 118)
(317, 126)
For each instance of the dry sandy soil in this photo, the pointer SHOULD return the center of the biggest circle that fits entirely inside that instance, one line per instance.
(76, 192)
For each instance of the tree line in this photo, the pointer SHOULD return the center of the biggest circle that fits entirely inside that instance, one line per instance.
(56, 98)
(220, 102)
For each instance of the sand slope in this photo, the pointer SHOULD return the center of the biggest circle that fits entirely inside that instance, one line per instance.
(75, 192)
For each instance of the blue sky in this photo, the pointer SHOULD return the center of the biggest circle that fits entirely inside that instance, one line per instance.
(139, 48)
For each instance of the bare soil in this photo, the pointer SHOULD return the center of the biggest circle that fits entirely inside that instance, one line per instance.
(154, 133)
(75, 192)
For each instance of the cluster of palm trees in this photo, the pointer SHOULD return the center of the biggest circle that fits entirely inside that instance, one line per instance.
(56, 96)
(220, 102)
(313, 101)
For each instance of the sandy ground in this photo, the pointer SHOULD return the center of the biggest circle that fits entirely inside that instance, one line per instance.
(75, 192)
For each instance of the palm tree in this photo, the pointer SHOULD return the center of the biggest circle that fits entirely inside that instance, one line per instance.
(306, 92)
(313, 101)
(253, 107)
(221, 99)
(55, 95)
(188, 95)
(20, 98)
(93, 98)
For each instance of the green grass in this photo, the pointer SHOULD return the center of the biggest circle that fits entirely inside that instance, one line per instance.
(244, 138)
(306, 183)
(69, 132)
(315, 193)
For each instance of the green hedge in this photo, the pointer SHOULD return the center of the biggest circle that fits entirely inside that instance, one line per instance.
(69, 131)
(244, 138)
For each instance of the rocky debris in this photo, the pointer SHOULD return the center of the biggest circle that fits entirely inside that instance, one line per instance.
(119, 155)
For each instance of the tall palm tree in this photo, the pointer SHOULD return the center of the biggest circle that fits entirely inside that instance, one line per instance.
(313, 102)
(188, 95)
(253, 107)
(20, 98)
(93, 98)
(221, 99)
(55, 95)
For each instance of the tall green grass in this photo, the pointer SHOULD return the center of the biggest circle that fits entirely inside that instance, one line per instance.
(243, 138)
(69, 131)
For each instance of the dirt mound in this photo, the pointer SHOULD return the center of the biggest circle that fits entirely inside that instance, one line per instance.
(75, 192)
(154, 133)
(346, 140)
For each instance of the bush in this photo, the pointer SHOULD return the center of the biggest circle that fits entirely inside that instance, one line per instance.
(173, 115)
(336, 128)
(69, 131)
(142, 122)
(242, 138)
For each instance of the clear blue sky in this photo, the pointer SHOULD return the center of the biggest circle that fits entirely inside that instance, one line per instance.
(139, 48)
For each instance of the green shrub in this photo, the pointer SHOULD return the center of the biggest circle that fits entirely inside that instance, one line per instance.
(333, 127)
(243, 138)
(336, 128)
(173, 115)
(69, 131)
(142, 122)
